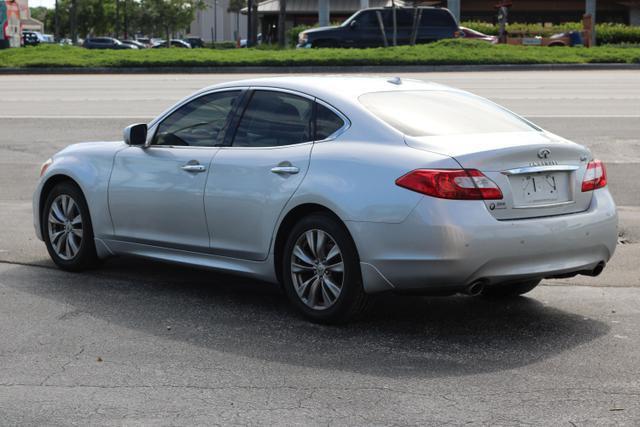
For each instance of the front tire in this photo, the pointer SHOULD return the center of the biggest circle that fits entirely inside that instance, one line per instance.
(510, 290)
(67, 228)
(321, 271)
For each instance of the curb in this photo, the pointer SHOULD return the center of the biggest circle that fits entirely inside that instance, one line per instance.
(284, 69)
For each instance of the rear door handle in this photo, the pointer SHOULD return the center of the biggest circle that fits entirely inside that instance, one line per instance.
(193, 167)
(285, 170)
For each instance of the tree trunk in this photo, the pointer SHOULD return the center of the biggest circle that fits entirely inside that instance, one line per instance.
(381, 24)
(282, 42)
(254, 23)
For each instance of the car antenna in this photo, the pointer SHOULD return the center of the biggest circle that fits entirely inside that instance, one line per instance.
(395, 80)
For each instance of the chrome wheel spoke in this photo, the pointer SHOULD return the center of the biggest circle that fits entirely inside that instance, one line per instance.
(54, 220)
(334, 252)
(70, 207)
(336, 268)
(299, 252)
(298, 268)
(303, 287)
(56, 211)
(311, 243)
(76, 220)
(332, 287)
(320, 241)
(313, 292)
(71, 244)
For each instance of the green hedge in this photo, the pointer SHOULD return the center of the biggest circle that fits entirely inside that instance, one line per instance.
(605, 33)
(444, 52)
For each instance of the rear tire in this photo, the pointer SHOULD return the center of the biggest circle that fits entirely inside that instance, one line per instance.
(510, 290)
(321, 271)
(67, 228)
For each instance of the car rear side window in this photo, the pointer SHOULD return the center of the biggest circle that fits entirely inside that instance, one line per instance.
(437, 18)
(439, 112)
(198, 123)
(327, 123)
(273, 119)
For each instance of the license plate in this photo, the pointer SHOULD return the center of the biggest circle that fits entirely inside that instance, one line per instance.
(540, 188)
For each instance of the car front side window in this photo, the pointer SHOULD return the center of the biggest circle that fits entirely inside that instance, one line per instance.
(198, 123)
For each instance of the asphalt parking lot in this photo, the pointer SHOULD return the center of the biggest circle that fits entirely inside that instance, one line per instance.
(139, 342)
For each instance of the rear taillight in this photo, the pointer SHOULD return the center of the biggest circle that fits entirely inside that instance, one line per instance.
(461, 184)
(595, 177)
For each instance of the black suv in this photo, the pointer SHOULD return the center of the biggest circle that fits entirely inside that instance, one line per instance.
(105, 43)
(362, 29)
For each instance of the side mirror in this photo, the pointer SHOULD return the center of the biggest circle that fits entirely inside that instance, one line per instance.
(136, 134)
(353, 24)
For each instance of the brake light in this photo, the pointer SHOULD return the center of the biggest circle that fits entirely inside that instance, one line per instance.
(595, 177)
(460, 184)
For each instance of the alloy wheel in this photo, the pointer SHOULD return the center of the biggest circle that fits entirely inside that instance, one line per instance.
(64, 225)
(317, 269)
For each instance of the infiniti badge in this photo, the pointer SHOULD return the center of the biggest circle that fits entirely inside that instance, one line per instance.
(544, 153)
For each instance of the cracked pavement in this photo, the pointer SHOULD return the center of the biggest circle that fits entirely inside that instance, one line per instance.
(137, 342)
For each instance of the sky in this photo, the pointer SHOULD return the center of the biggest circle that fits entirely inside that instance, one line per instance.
(46, 3)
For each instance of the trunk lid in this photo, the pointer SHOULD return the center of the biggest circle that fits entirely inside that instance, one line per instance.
(539, 173)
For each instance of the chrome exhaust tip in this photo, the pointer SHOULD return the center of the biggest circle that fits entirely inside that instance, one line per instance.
(475, 288)
(596, 271)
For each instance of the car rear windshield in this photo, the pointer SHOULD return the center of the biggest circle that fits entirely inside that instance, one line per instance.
(439, 112)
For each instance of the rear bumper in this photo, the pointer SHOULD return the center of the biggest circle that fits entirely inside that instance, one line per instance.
(451, 244)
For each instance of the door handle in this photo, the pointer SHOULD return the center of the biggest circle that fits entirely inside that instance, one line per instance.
(285, 170)
(193, 167)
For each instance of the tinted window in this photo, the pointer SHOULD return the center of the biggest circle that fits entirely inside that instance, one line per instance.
(274, 118)
(367, 19)
(327, 123)
(437, 18)
(197, 123)
(404, 17)
(432, 112)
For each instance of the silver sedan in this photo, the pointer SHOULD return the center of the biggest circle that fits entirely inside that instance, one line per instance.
(336, 188)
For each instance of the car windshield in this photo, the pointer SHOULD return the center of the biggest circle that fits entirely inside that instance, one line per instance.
(440, 112)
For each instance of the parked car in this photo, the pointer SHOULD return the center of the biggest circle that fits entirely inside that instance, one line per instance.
(32, 38)
(135, 43)
(105, 43)
(194, 42)
(243, 42)
(336, 188)
(174, 43)
(362, 29)
(469, 33)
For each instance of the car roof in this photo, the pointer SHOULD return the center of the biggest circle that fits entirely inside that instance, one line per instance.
(335, 88)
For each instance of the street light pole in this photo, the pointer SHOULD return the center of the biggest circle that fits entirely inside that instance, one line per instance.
(590, 9)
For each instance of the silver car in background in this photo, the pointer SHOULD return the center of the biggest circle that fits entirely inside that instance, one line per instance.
(336, 188)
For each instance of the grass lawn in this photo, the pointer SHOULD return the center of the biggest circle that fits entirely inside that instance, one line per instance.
(445, 52)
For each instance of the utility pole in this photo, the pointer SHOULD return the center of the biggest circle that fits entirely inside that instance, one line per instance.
(74, 22)
(56, 23)
(281, 23)
(117, 18)
(590, 9)
(126, 22)
(454, 7)
(323, 13)
(249, 22)
(215, 20)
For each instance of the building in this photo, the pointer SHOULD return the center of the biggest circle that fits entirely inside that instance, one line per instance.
(14, 18)
(215, 23)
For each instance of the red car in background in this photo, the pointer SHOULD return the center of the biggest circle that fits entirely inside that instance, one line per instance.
(477, 35)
